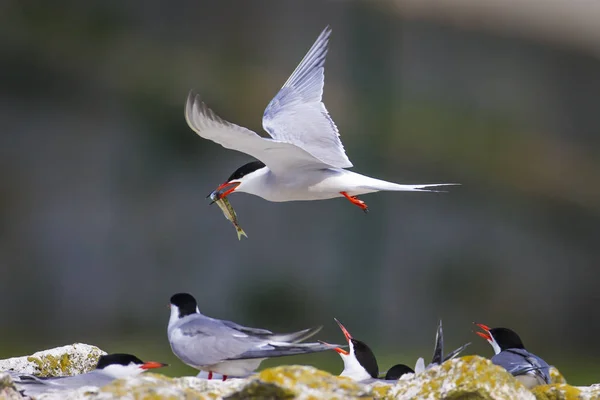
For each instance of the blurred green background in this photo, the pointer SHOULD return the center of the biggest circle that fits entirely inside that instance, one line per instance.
(103, 213)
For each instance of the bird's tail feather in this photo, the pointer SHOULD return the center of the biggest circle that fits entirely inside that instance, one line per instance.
(285, 349)
(397, 187)
(456, 352)
(438, 350)
(296, 337)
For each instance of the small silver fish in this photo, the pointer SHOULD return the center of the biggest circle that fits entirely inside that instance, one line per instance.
(228, 212)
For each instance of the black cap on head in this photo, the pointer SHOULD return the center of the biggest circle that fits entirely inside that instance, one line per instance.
(185, 302)
(506, 338)
(365, 357)
(117, 359)
(397, 371)
(245, 170)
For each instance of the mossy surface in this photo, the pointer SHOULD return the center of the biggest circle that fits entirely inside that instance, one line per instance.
(469, 377)
(60, 361)
(559, 391)
(466, 378)
(261, 390)
(556, 376)
(49, 365)
(308, 382)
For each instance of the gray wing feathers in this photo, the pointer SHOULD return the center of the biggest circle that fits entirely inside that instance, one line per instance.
(277, 155)
(296, 337)
(297, 115)
(207, 341)
(284, 349)
(438, 350)
(308, 77)
(247, 330)
(456, 352)
(518, 362)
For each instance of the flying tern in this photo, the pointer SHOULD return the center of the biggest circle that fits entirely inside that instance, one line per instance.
(109, 368)
(511, 354)
(226, 348)
(304, 158)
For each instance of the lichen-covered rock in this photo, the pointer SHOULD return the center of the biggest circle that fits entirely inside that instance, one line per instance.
(302, 382)
(8, 391)
(150, 386)
(556, 376)
(287, 382)
(60, 361)
(566, 392)
(470, 377)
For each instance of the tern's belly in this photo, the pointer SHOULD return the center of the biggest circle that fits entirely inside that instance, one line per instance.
(235, 368)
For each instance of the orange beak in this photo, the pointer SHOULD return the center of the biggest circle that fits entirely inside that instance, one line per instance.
(346, 334)
(231, 186)
(153, 364)
(486, 335)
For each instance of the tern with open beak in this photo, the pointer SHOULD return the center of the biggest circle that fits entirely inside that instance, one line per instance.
(304, 158)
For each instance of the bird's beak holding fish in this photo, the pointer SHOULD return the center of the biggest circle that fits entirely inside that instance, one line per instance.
(223, 190)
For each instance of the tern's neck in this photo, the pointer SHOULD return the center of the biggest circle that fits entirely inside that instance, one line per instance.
(352, 367)
(175, 316)
(121, 371)
(256, 182)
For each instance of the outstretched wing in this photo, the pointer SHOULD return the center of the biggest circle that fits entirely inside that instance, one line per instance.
(278, 156)
(297, 115)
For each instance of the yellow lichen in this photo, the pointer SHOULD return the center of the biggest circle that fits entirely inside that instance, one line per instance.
(469, 377)
(556, 376)
(152, 387)
(262, 390)
(558, 391)
(49, 365)
(299, 379)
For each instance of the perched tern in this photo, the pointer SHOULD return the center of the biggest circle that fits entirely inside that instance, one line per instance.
(360, 363)
(511, 354)
(304, 158)
(226, 348)
(109, 368)
(398, 371)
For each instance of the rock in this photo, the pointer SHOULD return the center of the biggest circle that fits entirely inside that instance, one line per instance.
(8, 391)
(467, 377)
(556, 376)
(151, 386)
(300, 382)
(563, 391)
(470, 377)
(60, 361)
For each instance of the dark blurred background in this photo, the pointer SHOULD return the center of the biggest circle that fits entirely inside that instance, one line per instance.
(103, 213)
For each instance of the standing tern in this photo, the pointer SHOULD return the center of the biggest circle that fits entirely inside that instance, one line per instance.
(304, 158)
(109, 368)
(224, 347)
(511, 354)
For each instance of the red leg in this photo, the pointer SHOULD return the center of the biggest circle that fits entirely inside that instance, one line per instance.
(356, 201)
(224, 378)
(209, 374)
